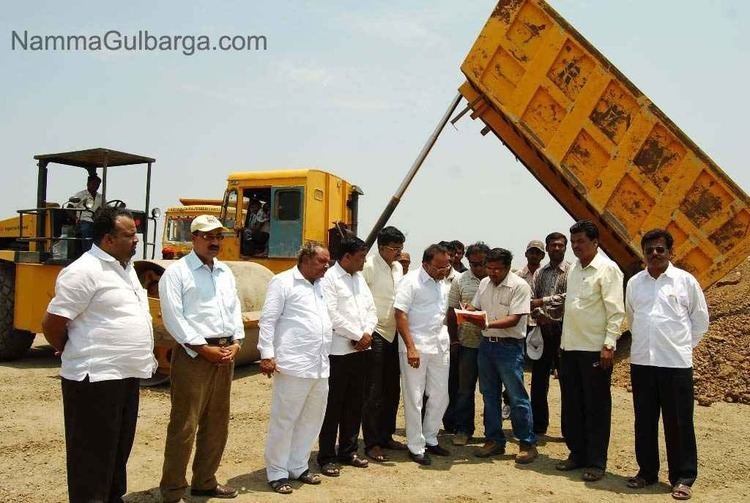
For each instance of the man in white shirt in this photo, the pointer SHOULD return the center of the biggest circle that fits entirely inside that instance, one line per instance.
(201, 310)
(89, 201)
(420, 307)
(594, 312)
(353, 316)
(100, 323)
(506, 298)
(294, 344)
(668, 316)
(382, 272)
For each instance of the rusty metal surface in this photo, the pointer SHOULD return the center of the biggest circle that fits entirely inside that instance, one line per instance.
(599, 145)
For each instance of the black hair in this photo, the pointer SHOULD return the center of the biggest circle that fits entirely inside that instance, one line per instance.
(448, 245)
(432, 250)
(104, 222)
(390, 235)
(587, 227)
(458, 245)
(351, 245)
(499, 255)
(552, 236)
(478, 247)
(655, 234)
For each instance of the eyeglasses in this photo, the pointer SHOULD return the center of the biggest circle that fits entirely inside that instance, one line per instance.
(212, 237)
(658, 249)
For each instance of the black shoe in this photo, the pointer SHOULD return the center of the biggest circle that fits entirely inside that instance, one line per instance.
(437, 450)
(420, 459)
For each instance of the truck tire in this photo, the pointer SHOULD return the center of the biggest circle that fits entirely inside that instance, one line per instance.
(13, 343)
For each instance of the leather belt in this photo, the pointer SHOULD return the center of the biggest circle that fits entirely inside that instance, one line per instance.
(503, 340)
(219, 341)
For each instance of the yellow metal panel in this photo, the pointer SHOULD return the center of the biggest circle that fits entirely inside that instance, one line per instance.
(35, 287)
(599, 145)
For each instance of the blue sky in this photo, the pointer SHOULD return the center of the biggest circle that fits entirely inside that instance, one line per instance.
(354, 88)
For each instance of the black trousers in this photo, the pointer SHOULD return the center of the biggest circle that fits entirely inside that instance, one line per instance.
(586, 407)
(346, 388)
(100, 420)
(382, 392)
(449, 418)
(540, 372)
(669, 391)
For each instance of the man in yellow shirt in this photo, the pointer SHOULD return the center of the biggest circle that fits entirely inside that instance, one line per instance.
(594, 311)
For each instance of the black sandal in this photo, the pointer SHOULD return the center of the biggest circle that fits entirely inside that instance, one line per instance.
(281, 486)
(592, 474)
(309, 478)
(638, 482)
(330, 470)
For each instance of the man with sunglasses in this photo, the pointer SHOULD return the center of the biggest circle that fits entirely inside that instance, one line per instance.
(467, 337)
(668, 316)
(201, 310)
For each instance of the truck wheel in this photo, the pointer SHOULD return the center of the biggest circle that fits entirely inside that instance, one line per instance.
(13, 343)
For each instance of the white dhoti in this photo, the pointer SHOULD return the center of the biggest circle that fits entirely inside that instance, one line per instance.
(431, 379)
(297, 410)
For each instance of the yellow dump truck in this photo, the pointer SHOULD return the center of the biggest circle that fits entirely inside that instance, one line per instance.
(599, 145)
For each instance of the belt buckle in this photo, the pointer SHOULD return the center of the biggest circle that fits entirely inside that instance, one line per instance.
(222, 341)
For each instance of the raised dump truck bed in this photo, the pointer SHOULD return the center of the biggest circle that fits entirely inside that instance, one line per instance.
(599, 145)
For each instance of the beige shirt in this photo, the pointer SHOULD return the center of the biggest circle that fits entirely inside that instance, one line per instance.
(382, 280)
(511, 296)
(594, 306)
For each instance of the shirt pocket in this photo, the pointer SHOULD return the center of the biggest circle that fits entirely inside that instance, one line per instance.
(502, 310)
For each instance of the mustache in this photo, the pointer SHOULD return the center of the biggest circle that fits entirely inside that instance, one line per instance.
(213, 247)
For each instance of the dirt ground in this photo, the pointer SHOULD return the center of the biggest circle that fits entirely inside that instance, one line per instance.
(32, 459)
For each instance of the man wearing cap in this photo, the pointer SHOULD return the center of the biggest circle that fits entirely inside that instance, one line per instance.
(201, 310)
(89, 201)
(548, 281)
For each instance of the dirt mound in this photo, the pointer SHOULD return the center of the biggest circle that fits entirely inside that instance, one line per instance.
(721, 361)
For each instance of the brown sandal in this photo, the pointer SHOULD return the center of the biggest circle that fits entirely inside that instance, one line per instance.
(309, 478)
(682, 492)
(281, 486)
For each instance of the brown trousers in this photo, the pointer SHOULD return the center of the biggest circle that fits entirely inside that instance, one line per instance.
(200, 403)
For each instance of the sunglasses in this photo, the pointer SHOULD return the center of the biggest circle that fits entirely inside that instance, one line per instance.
(658, 249)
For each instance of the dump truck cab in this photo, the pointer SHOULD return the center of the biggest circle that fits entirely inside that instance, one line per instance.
(272, 213)
(40, 241)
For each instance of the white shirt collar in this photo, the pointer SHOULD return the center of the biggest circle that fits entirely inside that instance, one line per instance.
(194, 261)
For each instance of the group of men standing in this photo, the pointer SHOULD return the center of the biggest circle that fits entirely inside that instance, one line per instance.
(342, 342)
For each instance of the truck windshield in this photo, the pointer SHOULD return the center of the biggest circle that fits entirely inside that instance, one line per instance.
(178, 229)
